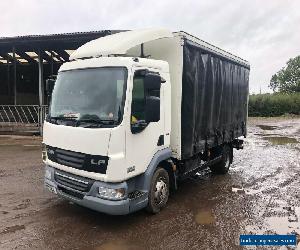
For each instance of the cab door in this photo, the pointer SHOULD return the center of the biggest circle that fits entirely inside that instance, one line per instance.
(145, 133)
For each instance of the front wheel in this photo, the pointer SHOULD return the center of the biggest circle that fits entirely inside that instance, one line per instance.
(222, 167)
(159, 191)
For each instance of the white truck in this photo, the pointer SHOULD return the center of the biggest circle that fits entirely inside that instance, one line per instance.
(133, 113)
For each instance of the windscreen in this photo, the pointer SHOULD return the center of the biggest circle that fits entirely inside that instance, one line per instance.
(89, 94)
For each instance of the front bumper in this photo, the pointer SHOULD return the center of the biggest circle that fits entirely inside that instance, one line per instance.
(90, 199)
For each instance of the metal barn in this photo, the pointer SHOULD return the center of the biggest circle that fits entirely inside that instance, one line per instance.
(25, 63)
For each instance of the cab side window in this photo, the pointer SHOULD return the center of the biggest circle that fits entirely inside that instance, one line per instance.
(138, 100)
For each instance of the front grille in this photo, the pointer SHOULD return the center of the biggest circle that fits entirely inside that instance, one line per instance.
(86, 162)
(73, 181)
(68, 158)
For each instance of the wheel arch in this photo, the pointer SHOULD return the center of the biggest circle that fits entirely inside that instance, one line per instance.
(160, 158)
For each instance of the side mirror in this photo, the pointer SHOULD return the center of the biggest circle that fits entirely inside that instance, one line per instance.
(152, 82)
(49, 86)
(152, 110)
(138, 127)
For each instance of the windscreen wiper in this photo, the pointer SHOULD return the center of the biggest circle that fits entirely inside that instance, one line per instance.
(60, 118)
(94, 122)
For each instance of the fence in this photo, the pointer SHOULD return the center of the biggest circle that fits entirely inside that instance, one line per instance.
(22, 117)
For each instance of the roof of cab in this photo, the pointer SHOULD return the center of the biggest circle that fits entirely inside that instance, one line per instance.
(119, 44)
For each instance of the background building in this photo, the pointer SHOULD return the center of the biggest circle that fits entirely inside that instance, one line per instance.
(25, 63)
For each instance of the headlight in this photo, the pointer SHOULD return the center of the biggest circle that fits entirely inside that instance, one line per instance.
(48, 174)
(44, 152)
(111, 193)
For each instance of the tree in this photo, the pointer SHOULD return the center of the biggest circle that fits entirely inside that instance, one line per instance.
(287, 79)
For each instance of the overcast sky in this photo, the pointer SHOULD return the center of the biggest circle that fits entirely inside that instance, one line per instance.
(264, 32)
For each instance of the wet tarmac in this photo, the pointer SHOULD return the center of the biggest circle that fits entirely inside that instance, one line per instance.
(260, 195)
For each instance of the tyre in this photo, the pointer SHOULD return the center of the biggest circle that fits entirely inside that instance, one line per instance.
(159, 191)
(222, 167)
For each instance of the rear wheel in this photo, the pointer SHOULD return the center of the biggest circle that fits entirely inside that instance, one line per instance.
(222, 167)
(159, 191)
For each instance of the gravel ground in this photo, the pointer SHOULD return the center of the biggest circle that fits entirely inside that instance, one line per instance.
(260, 195)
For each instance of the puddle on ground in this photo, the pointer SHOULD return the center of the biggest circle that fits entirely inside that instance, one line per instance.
(276, 140)
(279, 224)
(259, 134)
(266, 127)
(204, 217)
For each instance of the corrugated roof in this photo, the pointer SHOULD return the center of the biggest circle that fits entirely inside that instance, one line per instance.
(59, 35)
(60, 45)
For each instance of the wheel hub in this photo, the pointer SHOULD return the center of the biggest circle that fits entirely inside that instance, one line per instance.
(160, 191)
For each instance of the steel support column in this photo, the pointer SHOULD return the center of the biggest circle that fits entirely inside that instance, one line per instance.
(15, 75)
(52, 63)
(8, 80)
(41, 89)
